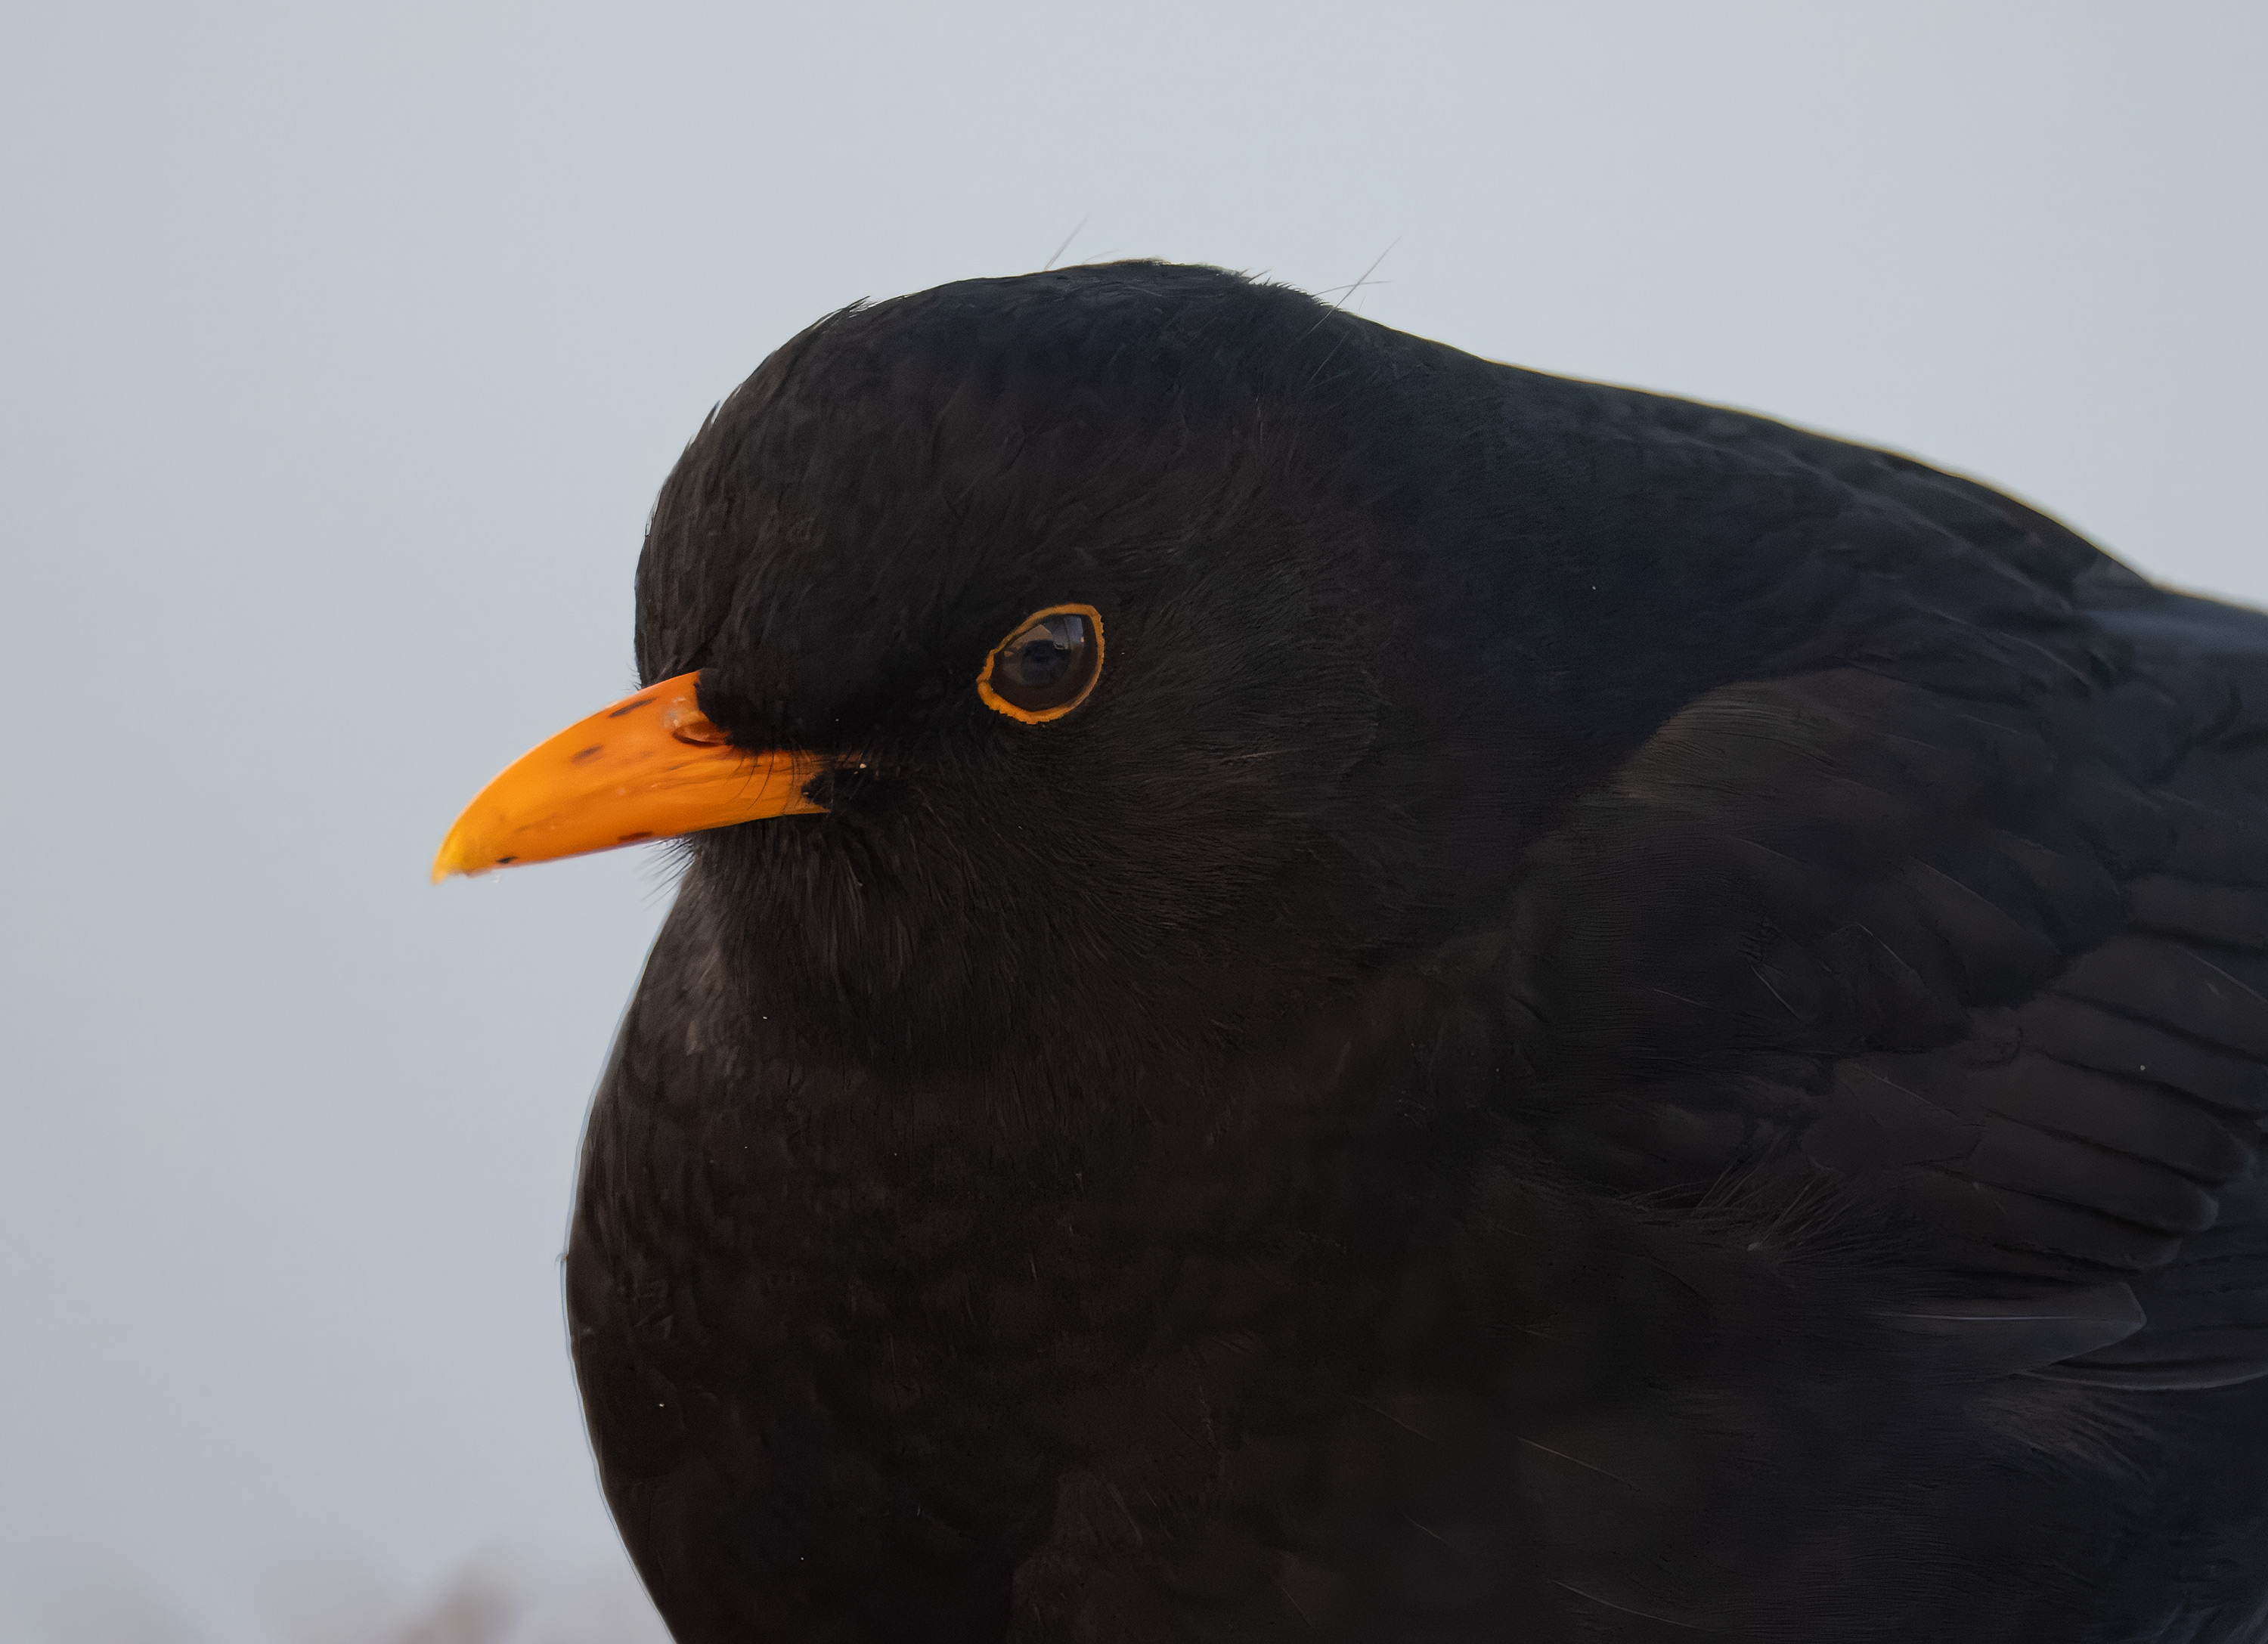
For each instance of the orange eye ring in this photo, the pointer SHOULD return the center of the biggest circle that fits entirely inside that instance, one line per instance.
(995, 684)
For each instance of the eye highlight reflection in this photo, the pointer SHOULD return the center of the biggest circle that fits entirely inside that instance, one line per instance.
(1046, 667)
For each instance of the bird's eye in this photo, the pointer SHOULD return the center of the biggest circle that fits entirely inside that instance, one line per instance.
(1046, 667)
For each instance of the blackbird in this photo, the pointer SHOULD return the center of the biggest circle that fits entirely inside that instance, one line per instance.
(1324, 990)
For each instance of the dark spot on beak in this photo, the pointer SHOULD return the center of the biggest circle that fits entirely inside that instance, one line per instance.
(626, 706)
(642, 833)
(587, 753)
(506, 862)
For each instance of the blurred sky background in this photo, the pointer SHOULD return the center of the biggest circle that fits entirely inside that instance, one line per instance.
(341, 351)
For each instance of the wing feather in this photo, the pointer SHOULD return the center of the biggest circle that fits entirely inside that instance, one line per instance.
(1998, 973)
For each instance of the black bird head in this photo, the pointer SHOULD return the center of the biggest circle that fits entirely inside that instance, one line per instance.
(1064, 581)
(1147, 650)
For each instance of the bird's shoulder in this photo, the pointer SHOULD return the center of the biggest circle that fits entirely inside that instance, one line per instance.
(1986, 973)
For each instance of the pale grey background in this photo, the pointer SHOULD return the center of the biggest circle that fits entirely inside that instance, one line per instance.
(343, 349)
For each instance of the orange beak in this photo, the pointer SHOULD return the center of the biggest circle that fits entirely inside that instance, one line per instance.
(650, 766)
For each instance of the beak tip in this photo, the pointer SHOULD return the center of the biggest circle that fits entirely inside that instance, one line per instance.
(453, 858)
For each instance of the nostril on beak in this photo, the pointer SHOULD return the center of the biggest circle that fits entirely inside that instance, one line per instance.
(688, 723)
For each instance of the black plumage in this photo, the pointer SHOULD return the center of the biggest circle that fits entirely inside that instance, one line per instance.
(1615, 1021)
